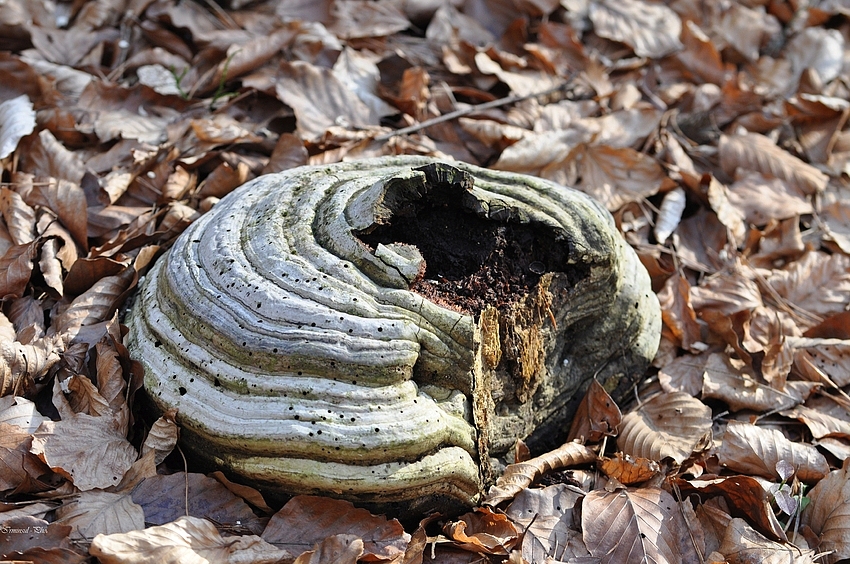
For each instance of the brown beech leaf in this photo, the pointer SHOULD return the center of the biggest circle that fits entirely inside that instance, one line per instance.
(684, 374)
(84, 397)
(361, 18)
(596, 416)
(483, 531)
(629, 471)
(87, 450)
(188, 540)
(18, 215)
(755, 450)
(64, 198)
(289, 152)
(339, 549)
(545, 516)
(306, 520)
(97, 304)
(162, 438)
(635, 525)
(617, 176)
(320, 100)
(741, 544)
(652, 30)
(678, 314)
(673, 425)
(110, 383)
(823, 360)
(14, 448)
(746, 499)
(15, 269)
(37, 533)
(517, 477)
(822, 424)
(727, 293)
(754, 152)
(21, 364)
(730, 215)
(818, 283)
(96, 512)
(763, 199)
(728, 380)
(828, 513)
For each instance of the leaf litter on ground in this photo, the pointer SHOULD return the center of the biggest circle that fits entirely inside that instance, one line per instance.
(716, 134)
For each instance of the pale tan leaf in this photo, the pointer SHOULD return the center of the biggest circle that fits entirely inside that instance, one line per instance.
(111, 384)
(763, 199)
(359, 70)
(17, 119)
(831, 356)
(746, 29)
(818, 283)
(673, 425)
(684, 374)
(96, 512)
(536, 151)
(735, 384)
(821, 424)
(727, 293)
(221, 129)
(21, 413)
(320, 100)
(22, 363)
(161, 79)
(96, 304)
(754, 152)
(755, 450)
(623, 128)
(635, 525)
(741, 544)
(50, 266)
(652, 30)
(19, 217)
(819, 49)
(361, 18)
(188, 540)
(828, 513)
(7, 329)
(730, 215)
(670, 214)
(617, 176)
(517, 477)
(339, 549)
(545, 516)
(14, 447)
(162, 438)
(87, 450)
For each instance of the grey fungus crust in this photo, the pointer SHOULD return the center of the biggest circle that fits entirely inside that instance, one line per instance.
(291, 328)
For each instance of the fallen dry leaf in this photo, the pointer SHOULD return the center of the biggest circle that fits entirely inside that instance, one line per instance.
(596, 416)
(756, 450)
(17, 119)
(652, 30)
(96, 512)
(188, 540)
(483, 531)
(828, 513)
(519, 476)
(636, 525)
(673, 425)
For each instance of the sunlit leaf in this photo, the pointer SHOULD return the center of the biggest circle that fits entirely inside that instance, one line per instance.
(652, 30)
(17, 119)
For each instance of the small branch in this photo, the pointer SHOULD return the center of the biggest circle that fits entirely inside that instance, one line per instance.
(471, 110)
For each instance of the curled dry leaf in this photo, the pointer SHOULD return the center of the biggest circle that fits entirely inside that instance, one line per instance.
(339, 549)
(670, 214)
(745, 497)
(652, 30)
(756, 450)
(629, 471)
(188, 540)
(17, 120)
(727, 380)
(824, 417)
(517, 477)
(684, 374)
(96, 512)
(741, 544)
(678, 314)
(818, 283)
(597, 416)
(754, 152)
(483, 531)
(673, 425)
(20, 365)
(546, 515)
(636, 525)
(162, 438)
(828, 513)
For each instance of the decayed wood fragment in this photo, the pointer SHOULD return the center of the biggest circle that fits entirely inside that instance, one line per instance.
(378, 330)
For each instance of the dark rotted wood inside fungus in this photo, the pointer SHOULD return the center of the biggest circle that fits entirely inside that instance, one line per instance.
(470, 262)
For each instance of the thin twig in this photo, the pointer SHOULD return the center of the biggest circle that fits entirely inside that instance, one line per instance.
(471, 110)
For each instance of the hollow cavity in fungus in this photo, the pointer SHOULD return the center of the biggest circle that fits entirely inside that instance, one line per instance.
(470, 262)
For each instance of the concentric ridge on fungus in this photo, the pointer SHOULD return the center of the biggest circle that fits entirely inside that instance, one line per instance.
(377, 330)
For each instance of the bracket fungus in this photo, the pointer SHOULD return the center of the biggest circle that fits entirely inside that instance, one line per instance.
(381, 330)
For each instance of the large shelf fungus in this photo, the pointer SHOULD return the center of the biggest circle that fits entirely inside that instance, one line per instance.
(378, 330)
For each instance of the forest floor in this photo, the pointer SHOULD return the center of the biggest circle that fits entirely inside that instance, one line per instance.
(714, 132)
